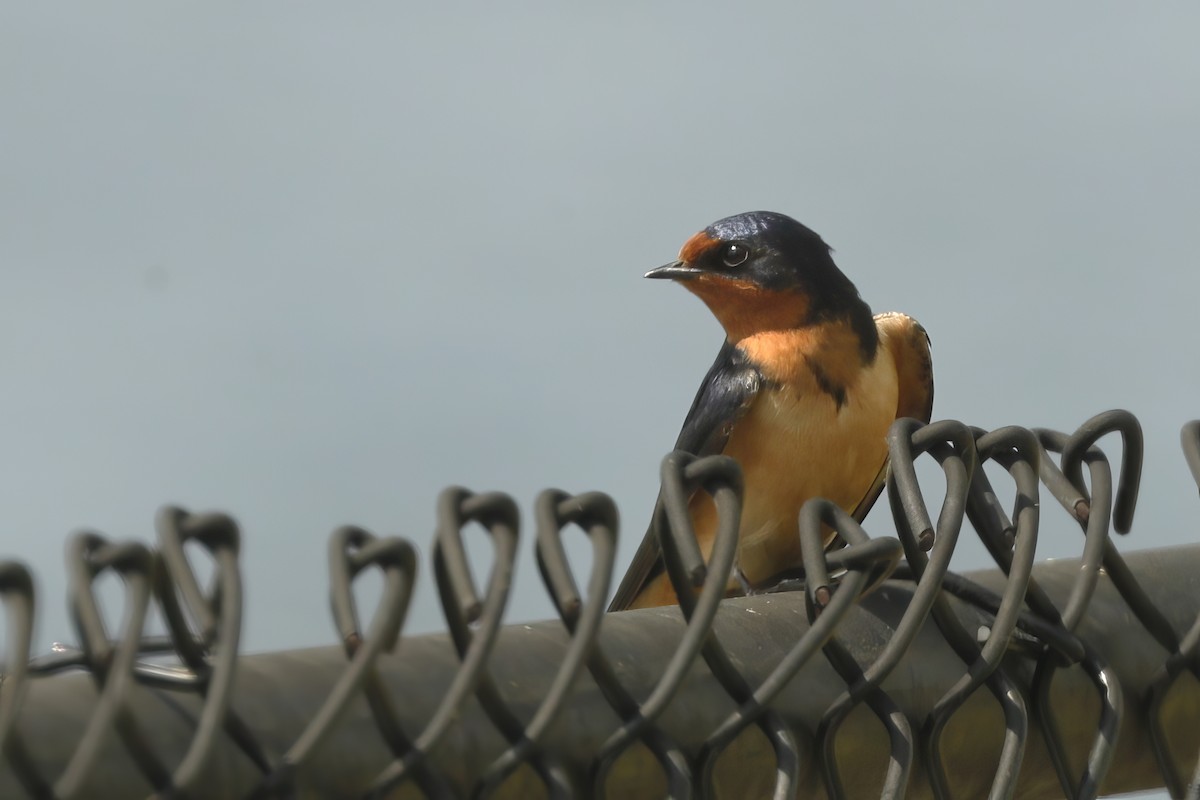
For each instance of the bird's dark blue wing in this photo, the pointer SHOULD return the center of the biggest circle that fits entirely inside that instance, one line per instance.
(730, 385)
(727, 391)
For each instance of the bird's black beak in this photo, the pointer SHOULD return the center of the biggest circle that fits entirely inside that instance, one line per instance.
(676, 270)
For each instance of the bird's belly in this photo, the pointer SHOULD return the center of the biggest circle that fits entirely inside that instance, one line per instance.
(793, 448)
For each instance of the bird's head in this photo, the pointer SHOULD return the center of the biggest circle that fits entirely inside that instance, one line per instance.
(763, 271)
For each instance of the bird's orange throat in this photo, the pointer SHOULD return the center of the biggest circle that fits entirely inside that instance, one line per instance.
(774, 330)
(744, 308)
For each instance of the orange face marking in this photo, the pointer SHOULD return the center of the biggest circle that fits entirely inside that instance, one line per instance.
(696, 247)
(744, 308)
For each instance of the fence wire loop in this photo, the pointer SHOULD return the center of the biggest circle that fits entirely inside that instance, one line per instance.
(953, 446)
(1013, 547)
(1114, 565)
(909, 438)
(596, 514)
(863, 560)
(474, 624)
(111, 664)
(682, 474)
(211, 654)
(351, 550)
(1093, 515)
(1130, 478)
(1185, 657)
(216, 533)
(19, 599)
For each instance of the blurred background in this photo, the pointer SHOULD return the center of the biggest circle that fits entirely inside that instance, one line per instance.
(311, 264)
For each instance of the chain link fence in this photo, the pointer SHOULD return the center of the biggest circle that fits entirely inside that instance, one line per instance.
(877, 671)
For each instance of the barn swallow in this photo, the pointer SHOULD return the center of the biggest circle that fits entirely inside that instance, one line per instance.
(801, 395)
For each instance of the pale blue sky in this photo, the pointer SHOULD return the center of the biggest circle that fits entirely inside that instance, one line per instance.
(309, 264)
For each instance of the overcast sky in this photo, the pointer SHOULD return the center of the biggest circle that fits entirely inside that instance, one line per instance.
(310, 263)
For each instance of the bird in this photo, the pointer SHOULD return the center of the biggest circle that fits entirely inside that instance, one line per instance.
(802, 393)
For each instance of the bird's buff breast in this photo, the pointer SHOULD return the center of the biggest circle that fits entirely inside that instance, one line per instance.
(794, 444)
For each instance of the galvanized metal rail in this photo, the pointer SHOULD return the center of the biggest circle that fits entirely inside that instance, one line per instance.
(873, 677)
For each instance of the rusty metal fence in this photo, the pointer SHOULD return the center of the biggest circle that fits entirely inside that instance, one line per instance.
(878, 672)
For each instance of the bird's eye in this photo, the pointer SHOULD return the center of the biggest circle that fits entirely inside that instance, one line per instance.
(734, 253)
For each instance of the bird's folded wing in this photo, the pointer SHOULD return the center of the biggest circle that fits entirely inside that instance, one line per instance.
(909, 345)
(726, 393)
